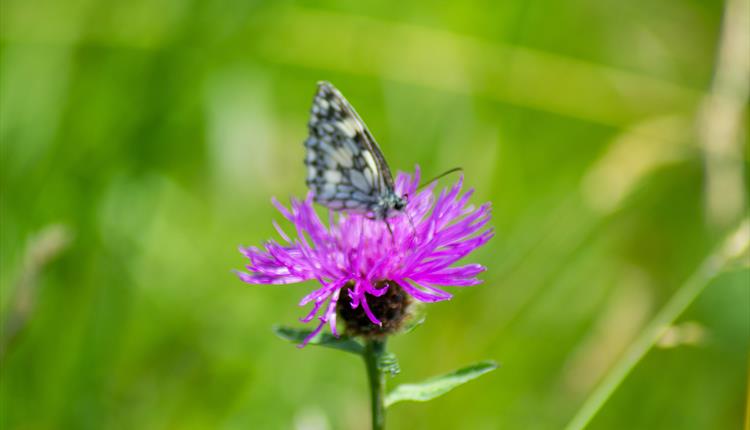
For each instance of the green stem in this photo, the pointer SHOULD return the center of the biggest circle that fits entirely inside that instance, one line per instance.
(374, 349)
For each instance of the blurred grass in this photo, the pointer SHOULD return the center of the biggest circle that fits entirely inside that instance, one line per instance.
(157, 131)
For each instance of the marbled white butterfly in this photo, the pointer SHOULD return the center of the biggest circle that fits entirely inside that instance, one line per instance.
(345, 168)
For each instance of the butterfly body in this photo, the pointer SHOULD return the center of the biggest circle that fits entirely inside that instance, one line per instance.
(346, 170)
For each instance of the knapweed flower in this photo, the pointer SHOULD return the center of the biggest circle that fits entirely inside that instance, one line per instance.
(358, 261)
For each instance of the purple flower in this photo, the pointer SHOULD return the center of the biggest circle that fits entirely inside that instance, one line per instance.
(361, 257)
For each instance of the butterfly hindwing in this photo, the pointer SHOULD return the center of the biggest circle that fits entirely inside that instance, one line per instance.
(345, 168)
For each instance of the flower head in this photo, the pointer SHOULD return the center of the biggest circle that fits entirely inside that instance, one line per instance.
(360, 258)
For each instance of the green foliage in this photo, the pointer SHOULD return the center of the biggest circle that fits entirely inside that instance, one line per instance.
(388, 364)
(343, 343)
(439, 385)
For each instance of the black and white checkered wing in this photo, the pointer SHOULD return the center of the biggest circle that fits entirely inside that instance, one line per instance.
(345, 168)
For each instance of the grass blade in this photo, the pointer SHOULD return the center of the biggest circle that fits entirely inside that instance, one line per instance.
(735, 246)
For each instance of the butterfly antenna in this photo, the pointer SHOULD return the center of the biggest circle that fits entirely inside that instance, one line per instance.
(447, 172)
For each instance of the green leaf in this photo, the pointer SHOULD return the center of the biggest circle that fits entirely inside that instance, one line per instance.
(388, 363)
(439, 385)
(343, 343)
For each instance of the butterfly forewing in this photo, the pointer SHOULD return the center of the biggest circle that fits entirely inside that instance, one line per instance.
(345, 168)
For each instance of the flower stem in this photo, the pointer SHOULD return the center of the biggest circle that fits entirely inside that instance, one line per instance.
(374, 349)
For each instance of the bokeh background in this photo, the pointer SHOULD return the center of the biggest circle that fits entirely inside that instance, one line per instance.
(143, 140)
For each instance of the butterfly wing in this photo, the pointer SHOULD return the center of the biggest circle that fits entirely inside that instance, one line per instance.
(345, 167)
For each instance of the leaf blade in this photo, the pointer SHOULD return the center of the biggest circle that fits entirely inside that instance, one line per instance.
(342, 343)
(439, 385)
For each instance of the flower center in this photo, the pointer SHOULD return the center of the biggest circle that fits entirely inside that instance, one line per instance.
(392, 308)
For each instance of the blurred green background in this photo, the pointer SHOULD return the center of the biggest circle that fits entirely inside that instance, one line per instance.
(143, 140)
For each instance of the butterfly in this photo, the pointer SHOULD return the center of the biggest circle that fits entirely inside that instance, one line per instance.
(345, 168)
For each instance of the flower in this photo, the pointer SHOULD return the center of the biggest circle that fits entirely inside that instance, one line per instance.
(364, 259)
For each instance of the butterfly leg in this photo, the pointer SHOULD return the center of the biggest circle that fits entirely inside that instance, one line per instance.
(390, 230)
(387, 224)
(411, 222)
